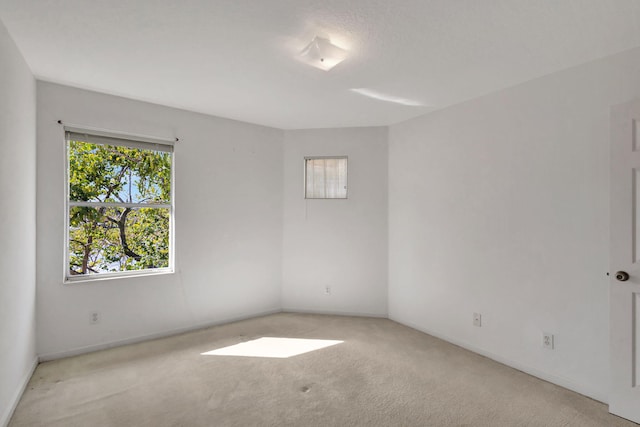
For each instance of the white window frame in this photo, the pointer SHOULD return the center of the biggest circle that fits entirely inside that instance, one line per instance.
(128, 140)
(346, 177)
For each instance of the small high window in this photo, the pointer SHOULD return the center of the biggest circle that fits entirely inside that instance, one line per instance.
(119, 206)
(325, 178)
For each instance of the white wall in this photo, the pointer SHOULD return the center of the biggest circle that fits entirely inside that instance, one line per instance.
(337, 243)
(228, 226)
(17, 224)
(497, 206)
(500, 206)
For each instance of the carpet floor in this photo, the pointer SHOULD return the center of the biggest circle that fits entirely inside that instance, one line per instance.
(382, 374)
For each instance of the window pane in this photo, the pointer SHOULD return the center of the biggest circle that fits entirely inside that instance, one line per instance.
(326, 178)
(117, 239)
(110, 173)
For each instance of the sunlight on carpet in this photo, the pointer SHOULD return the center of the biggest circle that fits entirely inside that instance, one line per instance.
(273, 347)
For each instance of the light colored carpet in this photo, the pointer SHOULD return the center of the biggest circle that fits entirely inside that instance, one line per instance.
(384, 374)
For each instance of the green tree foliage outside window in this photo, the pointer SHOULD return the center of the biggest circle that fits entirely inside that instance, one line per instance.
(119, 208)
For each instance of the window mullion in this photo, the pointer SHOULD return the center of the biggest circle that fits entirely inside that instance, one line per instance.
(120, 205)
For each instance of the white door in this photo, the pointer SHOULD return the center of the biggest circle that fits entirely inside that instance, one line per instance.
(624, 299)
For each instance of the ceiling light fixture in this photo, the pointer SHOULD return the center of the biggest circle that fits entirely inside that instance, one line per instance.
(370, 93)
(320, 53)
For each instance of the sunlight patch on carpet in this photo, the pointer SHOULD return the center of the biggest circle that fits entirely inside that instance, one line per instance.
(273, 347)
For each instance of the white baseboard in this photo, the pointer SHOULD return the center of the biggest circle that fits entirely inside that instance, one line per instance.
(554, 379)
(103, 346)
(335, 313)
(8, 413)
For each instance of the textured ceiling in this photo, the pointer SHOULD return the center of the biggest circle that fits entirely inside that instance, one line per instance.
(236, 58)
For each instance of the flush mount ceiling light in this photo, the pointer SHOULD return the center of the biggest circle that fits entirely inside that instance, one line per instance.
(320, 53)
(370, 93)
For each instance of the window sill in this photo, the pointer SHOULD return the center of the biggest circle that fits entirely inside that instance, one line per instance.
(70, 280)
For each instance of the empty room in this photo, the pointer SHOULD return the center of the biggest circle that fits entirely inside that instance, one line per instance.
(319, 213)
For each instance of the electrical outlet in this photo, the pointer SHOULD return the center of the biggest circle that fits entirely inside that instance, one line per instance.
(94, 317)
(477, 319)
(547, 340)
(327, 290)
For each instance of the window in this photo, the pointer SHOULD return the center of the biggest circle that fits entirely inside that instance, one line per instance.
(119, 206)
(325, 178)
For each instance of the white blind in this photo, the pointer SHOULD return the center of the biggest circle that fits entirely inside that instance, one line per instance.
(326, 178)
(118, 141)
